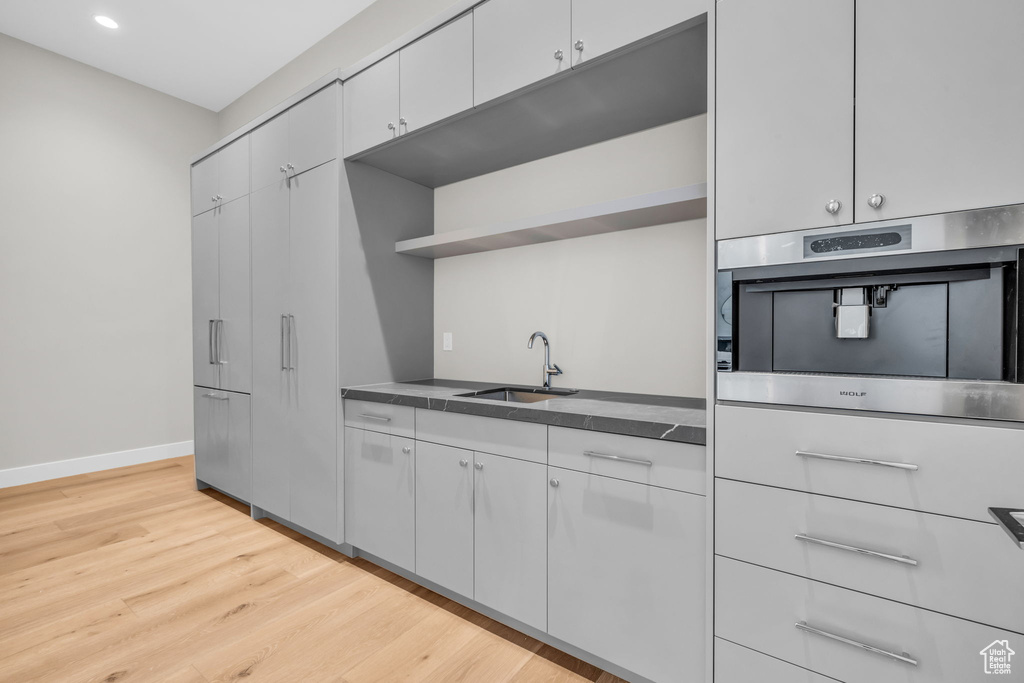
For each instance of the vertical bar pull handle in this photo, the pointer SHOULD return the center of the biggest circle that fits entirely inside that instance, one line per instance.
(284, 325)
(209, 336)
(291, 341)
(220, 343)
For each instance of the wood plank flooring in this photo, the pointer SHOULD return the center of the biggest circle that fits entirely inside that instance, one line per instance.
(133, 575)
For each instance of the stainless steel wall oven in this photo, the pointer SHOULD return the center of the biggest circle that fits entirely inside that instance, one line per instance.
(919, 315)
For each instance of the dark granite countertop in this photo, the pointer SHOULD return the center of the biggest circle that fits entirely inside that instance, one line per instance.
(655, 417)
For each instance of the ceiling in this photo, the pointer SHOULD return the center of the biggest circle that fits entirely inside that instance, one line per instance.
(208, 52)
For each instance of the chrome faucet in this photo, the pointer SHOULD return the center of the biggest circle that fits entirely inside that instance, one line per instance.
(549, 369)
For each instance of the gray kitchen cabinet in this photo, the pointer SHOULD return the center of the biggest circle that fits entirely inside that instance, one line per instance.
(221, 177)
(301, 138)
(510, 568)
(784, 115)
(626, 573)
(444, 516)
(222, 447)
(295, 378)
(221, 309)
(436, 75)
(517, 43)
(939, 104)
(380, 495)
(371, 106)
(600, 26)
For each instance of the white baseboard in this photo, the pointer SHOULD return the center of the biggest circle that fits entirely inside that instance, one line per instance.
(16, 476)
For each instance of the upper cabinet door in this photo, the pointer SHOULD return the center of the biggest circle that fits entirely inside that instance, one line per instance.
(371, 106)
(784, 135)
(600, 26)
(204, 185)
(436, 75)
(940, 100)
(269, 152)
(516, 43)
(313, 130)
(233, 171)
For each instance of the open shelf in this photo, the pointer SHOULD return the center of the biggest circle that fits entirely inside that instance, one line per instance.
(655, 208)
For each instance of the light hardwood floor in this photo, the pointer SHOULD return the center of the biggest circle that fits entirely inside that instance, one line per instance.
(133, 575)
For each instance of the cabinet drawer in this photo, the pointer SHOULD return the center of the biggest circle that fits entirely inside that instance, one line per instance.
(381, 417)
(762, 608)
(522, 440)
(223, 453)
(737, 664)
(961, 470)
(669, 464)
(759, 524)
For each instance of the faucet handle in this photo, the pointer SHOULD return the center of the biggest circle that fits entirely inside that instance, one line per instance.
(554, 369)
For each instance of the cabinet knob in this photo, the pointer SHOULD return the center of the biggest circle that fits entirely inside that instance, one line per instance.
(218, 198)
(282, 168)
(558, 55)
(406, 449)
(578, 45)
(478, 465)
(213, 199)
(289, 167)
(391, 125)
(463, 463)
(876, 200)
(554, 483)
(402, 121)
(833, 206)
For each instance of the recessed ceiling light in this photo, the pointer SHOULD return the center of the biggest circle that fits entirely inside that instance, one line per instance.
(105, 21)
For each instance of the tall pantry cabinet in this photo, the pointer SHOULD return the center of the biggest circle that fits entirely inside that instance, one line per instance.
(327, 301)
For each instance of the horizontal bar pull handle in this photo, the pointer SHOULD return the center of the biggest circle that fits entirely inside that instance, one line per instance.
(215, 397)
(902, 559)
(375, 417)
(620, 458)
(861, 461)
(900, 657)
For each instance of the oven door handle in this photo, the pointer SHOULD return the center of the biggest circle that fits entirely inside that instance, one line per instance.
(860, 461)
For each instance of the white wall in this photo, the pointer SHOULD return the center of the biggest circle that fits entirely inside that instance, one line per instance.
(624, 311)
(95, 284)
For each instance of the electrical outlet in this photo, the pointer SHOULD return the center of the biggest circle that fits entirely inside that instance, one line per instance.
(447, 341)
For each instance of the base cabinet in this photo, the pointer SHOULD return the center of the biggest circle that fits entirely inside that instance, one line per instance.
(380, 495)
(626, 573)
(222, 445)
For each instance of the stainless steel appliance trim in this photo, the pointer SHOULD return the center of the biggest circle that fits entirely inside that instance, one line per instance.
(994, 227)
(901, 657)
(941, 397)
(858, 461)
(902, 559)
(620, 458)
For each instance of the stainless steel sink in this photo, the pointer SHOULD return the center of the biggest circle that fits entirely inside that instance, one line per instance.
(519, 395)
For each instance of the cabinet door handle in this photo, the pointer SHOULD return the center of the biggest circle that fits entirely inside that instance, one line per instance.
(620, 458)
(463, 463)
(291, 338)
(478, 465)
(407, 449)
(558, 55)
(833, 206)
(375, 417)
(860, 461)
(900, 657)
(578, 45)
(554, 483)
(220, 343)
(391, 125)
(284, 332)
(209, 336)
(875, 201)
(902, 559)
(215, 397)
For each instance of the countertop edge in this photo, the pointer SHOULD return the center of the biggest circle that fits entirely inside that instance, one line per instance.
(680, 433)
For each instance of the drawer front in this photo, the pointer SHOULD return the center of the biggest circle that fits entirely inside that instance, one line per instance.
(961, 470)
(522, 440)
(673, 465)
(762, 608)
(737, 664)
(760, 524)
(381, 417)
